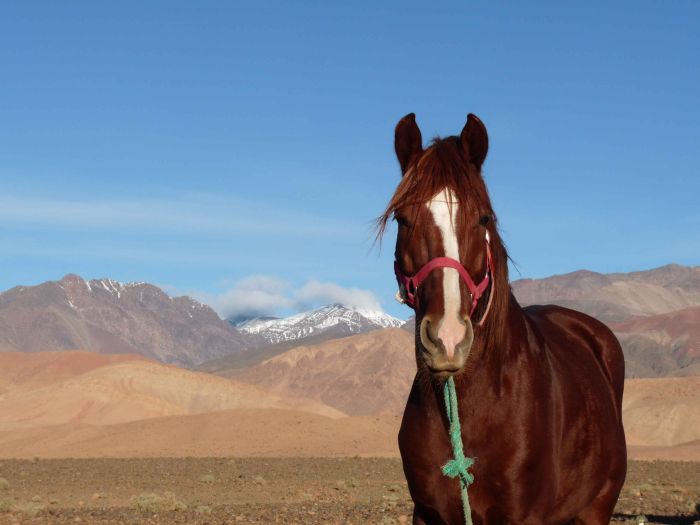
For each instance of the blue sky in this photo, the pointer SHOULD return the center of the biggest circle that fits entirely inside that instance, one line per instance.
(239, 151)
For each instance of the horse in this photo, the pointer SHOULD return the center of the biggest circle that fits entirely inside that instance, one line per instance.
(539, 387)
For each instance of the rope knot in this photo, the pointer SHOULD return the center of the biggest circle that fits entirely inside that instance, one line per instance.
(459, 467)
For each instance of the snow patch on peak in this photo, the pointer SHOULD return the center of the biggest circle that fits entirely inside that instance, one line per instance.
(113, 287)
(333, 318)
(110, 285)
(194, 303)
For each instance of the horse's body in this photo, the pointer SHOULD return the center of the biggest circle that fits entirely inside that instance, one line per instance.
(548, 447)
(539, 390)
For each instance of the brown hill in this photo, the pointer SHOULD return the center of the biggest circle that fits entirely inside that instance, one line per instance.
(242, 432)
(661, 418)
(663, 344)
(42, 368)
(106, 316)
(118, 390)
(259, 354)
(372, 373)
(127, 406)
(616, 296)
(662, 411)
(681, 324)
(368, 373)
(684, 452)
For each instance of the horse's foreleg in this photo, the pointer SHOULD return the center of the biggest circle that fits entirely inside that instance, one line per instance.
(426, 516)
(600, 510)
(417, 520)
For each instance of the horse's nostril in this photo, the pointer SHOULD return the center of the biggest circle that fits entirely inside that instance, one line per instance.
(429, 336)
(432, 334)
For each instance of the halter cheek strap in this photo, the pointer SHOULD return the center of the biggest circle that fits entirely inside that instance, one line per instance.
(408, 285)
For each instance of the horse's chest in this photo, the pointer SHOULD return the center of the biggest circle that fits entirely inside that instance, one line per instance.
(506, 469)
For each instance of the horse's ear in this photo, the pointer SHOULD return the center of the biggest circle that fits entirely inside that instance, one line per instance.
(407, 140)
(475, 140)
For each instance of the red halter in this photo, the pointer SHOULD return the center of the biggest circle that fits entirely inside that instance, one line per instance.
(408, 285)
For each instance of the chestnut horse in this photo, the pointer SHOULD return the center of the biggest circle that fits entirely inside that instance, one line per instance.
(539, 388)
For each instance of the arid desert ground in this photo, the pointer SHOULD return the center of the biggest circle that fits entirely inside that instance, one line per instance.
(273, 490)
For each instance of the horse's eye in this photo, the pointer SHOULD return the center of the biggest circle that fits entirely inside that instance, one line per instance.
(484, 220)
(402, 221)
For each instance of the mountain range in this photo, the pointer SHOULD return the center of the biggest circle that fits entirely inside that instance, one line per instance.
(270, 336)
(106, 316)
(655, 314)
(329, 389)
(614, 297)
(330, 321)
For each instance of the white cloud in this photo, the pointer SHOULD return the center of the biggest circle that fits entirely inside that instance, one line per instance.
(253, 295)
(238, 302)
(266, 295)
(314, 292)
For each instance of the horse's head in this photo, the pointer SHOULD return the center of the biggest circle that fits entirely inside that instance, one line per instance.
(446, 228)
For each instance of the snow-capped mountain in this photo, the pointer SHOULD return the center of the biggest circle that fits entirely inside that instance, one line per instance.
(332, 321)
(106, 316)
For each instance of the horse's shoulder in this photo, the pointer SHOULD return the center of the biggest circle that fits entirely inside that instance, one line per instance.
(555, 315)
(564, 325)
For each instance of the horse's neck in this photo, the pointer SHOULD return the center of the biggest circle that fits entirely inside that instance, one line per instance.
(493, 358)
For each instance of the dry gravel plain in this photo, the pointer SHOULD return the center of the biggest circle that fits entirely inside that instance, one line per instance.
(268, 490)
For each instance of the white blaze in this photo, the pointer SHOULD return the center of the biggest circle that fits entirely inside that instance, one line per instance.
(443, 208)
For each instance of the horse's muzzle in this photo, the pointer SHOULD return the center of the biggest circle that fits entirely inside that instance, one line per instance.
(443, 352)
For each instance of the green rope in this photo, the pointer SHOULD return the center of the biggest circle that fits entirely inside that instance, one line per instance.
(459, 465)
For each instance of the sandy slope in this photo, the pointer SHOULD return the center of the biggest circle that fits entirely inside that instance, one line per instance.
(684, 452)
(41, 368)
(662, 411)
(364, 374)
(243, 432)
(120, 390)
(87, 405)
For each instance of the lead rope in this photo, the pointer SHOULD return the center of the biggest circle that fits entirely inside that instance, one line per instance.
(459, 465)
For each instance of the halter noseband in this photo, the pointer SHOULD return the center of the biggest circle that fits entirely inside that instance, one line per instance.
(408, 285)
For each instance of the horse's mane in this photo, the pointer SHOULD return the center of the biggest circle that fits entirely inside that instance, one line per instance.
(442, 165)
